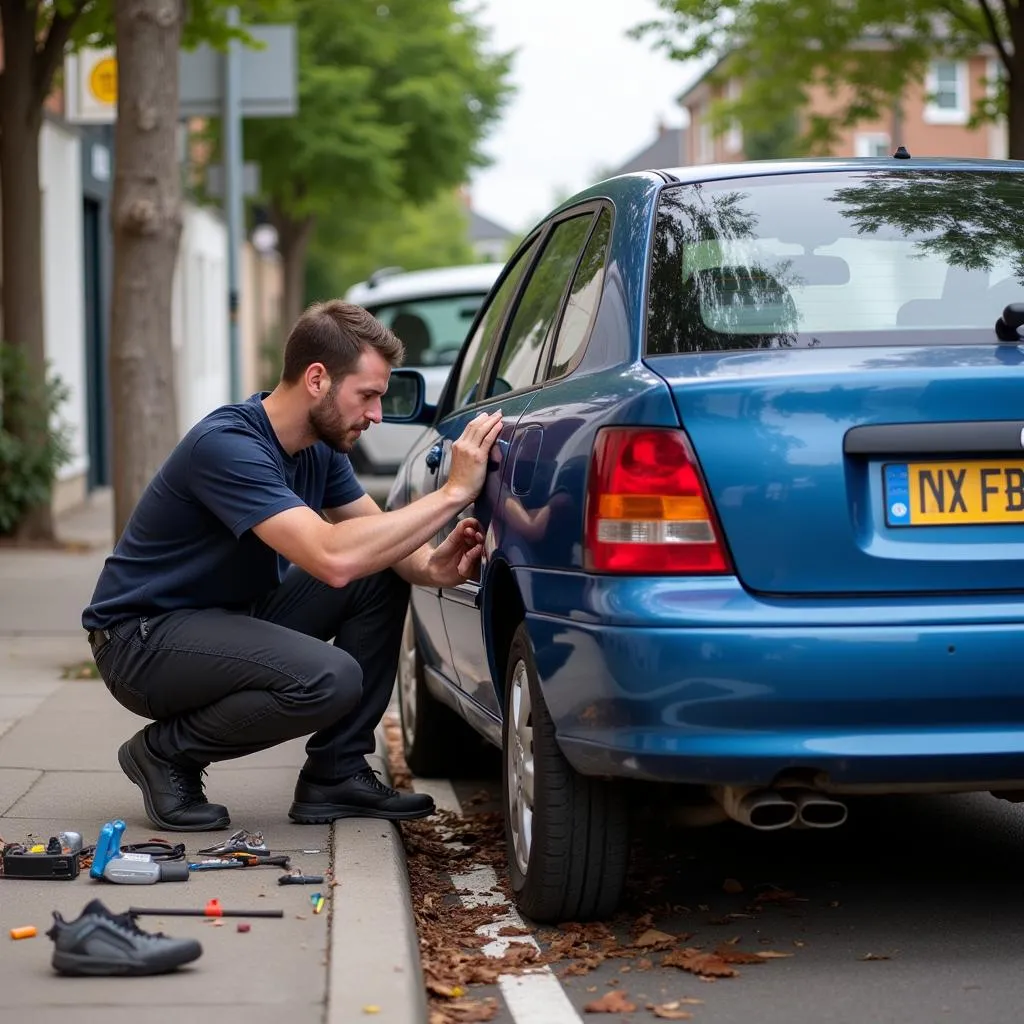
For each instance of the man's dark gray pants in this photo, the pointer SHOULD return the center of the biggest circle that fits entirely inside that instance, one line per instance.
(221, 684)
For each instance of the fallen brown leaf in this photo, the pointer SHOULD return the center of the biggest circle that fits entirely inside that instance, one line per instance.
(875, 956)
(732, 886)
(777, 896)
(435, 988)
(643, 964)
(467, 1011)
(615, 1001)
(696, 961)
(770, 954)
(654, 939)
(737, 956)
(669, 1011)
(642, 923)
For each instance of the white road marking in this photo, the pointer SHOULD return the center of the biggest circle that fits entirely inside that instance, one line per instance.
(536, 997)
(533, 998)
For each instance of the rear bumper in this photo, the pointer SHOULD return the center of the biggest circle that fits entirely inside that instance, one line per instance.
(697, 681)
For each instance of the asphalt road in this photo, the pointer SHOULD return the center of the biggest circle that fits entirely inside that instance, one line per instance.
(910, 913)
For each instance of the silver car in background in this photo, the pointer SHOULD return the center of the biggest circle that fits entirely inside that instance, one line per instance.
(431, 312)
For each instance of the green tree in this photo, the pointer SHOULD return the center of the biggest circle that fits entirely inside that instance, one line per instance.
(779, 50)
(394, 100)
(413, 237)
(36, 36)
(973, 222)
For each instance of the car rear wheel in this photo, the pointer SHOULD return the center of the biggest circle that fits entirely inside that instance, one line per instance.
(566, 835)
(436, 742)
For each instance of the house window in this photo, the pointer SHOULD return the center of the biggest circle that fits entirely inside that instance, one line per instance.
(995, 75)
(705, 140)
(946, 88)
(871, 144)
(734, 135)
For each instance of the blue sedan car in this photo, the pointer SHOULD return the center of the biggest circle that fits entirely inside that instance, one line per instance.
(755, 521)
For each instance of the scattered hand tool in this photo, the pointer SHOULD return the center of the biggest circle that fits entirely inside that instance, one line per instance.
(238, 842)
(296, 879)
(141, 869)
(238, 859)
(108, 846)
(212, 909)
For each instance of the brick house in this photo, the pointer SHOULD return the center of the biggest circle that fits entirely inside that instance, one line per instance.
(932, 119)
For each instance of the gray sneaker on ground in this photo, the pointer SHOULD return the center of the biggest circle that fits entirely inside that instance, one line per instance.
(100, 942)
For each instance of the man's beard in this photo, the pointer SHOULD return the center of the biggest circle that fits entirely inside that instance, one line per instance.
(329, 426)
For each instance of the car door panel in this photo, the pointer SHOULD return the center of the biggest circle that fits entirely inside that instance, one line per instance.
(461, 605)
(510, 381)
(435, 649)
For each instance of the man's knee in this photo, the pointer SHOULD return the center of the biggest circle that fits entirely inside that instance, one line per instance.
(338, 687)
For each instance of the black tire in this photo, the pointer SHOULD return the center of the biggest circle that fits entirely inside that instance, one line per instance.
(436, 742)
(579, 853)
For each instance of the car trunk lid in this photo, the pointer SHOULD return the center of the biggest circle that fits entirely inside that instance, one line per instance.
(861, 470)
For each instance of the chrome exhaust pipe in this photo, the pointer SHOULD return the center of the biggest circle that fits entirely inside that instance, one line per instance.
(763, 809)
(818, 810)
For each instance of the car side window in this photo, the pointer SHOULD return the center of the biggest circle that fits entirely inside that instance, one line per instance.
(582, 304)
(538, 306)
(486, 334)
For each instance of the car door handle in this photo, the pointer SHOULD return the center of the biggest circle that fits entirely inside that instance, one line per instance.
(434, 457)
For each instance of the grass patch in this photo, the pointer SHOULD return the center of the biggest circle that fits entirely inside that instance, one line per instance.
(81, 670)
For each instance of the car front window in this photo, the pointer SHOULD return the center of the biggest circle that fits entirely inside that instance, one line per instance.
(432, 329)
(879, 257)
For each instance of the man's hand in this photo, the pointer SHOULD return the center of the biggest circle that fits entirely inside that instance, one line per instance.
(458, 558)
(470, 454)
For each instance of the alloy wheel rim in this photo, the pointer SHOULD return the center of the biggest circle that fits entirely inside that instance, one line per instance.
(519, 765)
(407, 681)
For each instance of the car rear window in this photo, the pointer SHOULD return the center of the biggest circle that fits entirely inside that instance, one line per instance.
(875, 257)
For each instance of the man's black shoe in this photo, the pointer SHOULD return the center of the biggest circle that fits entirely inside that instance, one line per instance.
(173, 795)
(362, 795)
(100, 942)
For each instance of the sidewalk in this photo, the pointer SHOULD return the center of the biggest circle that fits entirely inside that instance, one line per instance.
(59, 772)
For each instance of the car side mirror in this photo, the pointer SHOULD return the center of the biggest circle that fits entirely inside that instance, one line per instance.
(405, 399)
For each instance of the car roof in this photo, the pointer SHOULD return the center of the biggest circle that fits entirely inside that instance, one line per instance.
(418, 284)
(751, 168)
(635, 183)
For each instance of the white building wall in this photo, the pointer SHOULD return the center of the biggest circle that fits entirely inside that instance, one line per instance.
(199, 316)
(64, 281)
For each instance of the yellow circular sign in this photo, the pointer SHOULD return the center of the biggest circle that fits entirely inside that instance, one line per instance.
(103, 80)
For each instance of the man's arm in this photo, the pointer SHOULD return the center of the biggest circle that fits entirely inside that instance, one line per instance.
(413, 568)
(340, 552)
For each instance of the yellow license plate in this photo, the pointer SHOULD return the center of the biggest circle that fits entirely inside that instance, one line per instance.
(954, 493)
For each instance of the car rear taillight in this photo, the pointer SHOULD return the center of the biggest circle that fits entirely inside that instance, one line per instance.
(647, 508)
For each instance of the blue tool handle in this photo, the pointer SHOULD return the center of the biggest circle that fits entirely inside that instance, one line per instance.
(115, 846)
(101, 853)
(108, 847)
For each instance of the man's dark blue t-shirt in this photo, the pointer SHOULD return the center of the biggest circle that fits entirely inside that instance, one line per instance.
(189, 543)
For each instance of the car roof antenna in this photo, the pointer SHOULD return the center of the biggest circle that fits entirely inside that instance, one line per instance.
(901, 153)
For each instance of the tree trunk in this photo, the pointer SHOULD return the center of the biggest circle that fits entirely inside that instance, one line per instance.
(1015, 118)
(21, 209)
(146, 217)
(1015, 85)
(293, 242)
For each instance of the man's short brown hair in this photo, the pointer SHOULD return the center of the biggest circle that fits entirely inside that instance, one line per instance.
(336, 334)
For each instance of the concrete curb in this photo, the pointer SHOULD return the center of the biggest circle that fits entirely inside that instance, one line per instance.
(374, 947)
